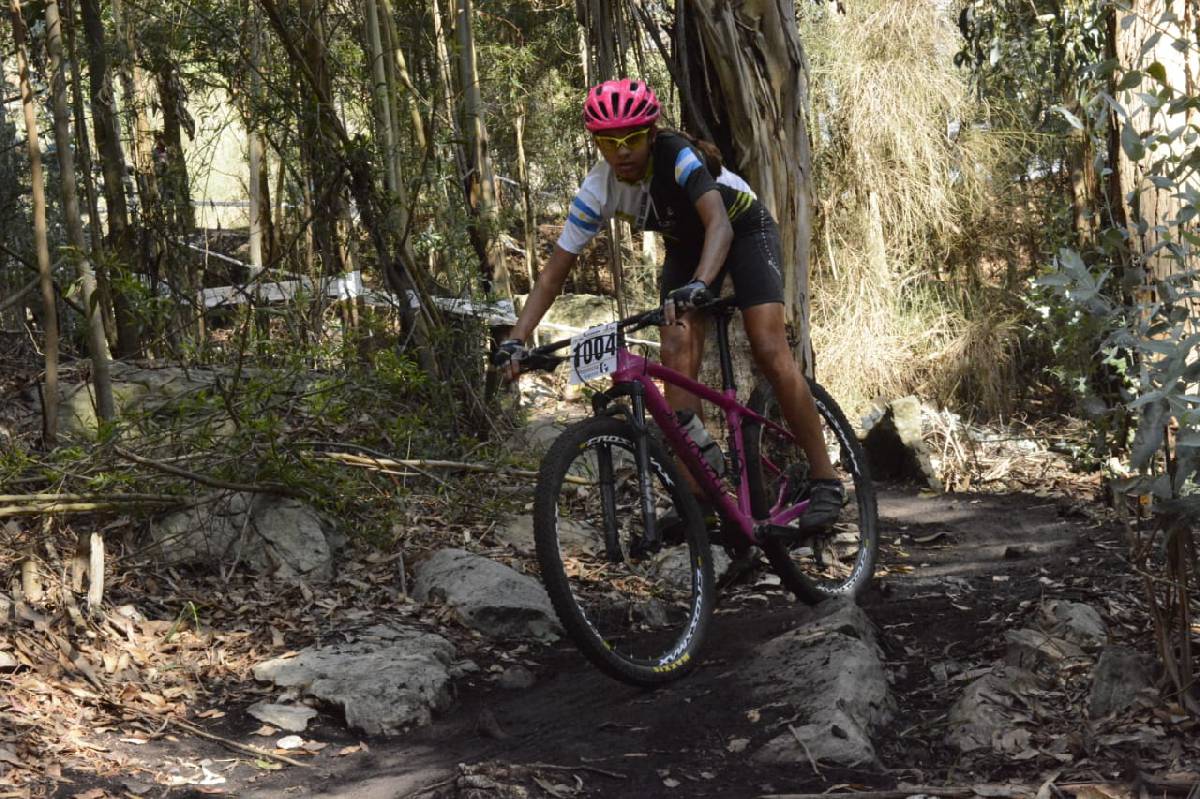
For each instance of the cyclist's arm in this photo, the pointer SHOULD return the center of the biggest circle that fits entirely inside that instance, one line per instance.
(544, 291)
(718, 235)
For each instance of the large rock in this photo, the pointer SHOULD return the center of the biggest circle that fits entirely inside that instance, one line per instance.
(1120, 675)
(274, 535)
(830, 670)
(988, 711)
(1073, 621)
(1034, 650)
(488, 596)
(388, 679)
(517, 532)
(674, 564)
(895, 444)
(133, 388)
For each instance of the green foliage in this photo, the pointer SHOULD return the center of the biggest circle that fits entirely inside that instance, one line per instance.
(1135, 295)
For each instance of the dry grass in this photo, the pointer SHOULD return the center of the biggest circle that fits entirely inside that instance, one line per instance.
(902, 180)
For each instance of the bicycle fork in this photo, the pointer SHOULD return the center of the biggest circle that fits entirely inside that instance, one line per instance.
(650, 540)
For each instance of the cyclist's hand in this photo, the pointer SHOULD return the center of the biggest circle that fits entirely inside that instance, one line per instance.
(507, 357)
(684, 299)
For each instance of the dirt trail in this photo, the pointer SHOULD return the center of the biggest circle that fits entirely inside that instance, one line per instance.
(956, 571)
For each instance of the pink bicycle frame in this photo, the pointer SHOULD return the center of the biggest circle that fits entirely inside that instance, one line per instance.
(633, 368)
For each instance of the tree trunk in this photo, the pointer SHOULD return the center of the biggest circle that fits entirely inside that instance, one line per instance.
(84, 148)
(1146, 211)
(751, 63)
(399, 77)
(385, 132)
(97, 342)
(481, 181)
(531, 263)
(120, 238)
(40, 239)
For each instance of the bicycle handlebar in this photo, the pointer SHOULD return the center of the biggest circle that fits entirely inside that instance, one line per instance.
(542, 358)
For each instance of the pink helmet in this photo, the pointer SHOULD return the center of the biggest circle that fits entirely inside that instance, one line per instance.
(621, 103)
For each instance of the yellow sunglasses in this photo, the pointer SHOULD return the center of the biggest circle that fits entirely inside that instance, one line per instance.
(632, 141)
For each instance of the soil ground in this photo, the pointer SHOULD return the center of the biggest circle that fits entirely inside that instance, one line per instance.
(956, 571)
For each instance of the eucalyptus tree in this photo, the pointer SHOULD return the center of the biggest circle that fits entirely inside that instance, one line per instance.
(41, 242)
(85, 276)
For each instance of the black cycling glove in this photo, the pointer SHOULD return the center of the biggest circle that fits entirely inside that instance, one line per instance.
(512, 349)
(690, 296)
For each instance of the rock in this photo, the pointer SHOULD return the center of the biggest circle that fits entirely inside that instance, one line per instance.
(1120, 674)
(7, 661)
(516, 678)
(537, 436)
(282, 536)
(488, 596)
(1075, 622)
(390, 678)
(1031, 650)
(293, 718)
(830, 669)
(986, 712)
(517, 532)
(674, 564)
(579, 311)
(77, 408)
(895, 444)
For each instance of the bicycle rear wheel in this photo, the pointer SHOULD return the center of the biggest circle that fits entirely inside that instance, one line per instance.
(640, 616)
(841, 560)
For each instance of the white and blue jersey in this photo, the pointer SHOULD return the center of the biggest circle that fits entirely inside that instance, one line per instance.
(663, 201)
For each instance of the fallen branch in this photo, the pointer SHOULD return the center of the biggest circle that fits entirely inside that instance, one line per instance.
(38, 508)
(256, 488)
(812, 760)
(203, 733)
(367, 461)
(616, 775)
(89, 498)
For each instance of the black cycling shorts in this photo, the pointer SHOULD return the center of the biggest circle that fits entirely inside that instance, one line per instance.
(753, 262)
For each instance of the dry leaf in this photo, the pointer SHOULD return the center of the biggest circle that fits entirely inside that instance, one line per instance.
(671, 783)
(211, 713)
(268, 765)
(9, 756)
(737, 745)
(348, 750)
(94, 793)
(314, 746)
(290, 742)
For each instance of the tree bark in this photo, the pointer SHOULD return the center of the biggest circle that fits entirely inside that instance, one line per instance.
(752, 65)
(40, 238)
(1146, 211)
(97, 342)
(481, 180)
(120, 239)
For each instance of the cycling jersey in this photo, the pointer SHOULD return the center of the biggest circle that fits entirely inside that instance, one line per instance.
(663, 201)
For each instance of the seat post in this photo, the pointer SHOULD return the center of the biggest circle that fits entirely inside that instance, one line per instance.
(723, 315)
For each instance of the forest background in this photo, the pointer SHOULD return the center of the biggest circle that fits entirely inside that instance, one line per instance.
(990, 204)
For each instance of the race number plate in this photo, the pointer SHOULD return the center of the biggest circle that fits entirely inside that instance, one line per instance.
(594, 353)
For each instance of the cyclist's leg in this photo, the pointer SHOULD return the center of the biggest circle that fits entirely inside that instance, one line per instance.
(754, 265)
(768, 341)
(682, 344)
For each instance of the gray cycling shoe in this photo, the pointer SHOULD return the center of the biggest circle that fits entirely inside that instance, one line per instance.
(825, 501)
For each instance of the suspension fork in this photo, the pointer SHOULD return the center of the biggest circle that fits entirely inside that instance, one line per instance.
(650, 540)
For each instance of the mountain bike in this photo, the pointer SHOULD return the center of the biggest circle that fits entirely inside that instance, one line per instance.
(622, 543)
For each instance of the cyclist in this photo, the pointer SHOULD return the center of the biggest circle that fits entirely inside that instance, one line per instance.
(713, 226)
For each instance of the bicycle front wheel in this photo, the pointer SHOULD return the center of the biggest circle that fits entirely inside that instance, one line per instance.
(841, 560)
(638, 613)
